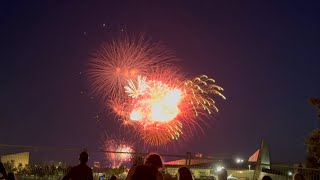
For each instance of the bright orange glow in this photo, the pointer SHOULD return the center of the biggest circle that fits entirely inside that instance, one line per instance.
(153, 101)
(165, 107)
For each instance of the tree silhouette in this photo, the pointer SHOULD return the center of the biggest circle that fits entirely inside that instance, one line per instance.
(313, 140)
(316, 102)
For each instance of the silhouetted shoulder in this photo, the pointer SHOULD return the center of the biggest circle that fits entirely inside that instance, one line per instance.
(266, 178)
(143, 172)
(3, 171)
(82, 169)
(11, 176)
(298, 177)
(131, 172)
(80, 172)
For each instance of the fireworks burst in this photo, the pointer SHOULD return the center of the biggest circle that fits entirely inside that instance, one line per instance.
(155, 107)
(148, 93)
(122, 59)
(201, 90)
(118, 151)
(161, 133)
(153, 101)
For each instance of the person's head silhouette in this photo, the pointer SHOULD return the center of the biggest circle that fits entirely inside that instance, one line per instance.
(184, 173)
(266, 178)
(154, 160)
(84, 157)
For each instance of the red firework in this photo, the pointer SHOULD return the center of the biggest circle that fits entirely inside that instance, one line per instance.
(122, 59)
(118, 151)
(148, 93)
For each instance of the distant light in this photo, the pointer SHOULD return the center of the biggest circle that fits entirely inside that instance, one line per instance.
(219, 168)
(289, 173)
(238, 160)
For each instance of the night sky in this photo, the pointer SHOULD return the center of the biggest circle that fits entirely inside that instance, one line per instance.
(265, 54)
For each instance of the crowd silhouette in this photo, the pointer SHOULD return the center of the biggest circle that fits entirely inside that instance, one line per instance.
(150, 169)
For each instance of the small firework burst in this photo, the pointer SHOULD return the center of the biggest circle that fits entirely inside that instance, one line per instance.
(200, 91)
(118, 151)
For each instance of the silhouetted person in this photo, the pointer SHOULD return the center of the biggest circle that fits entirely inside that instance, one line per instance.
(223, 174)
(113, 177)
(184, 173)
(152, 162)
(80, 172)
(11, 176)
(143, 172)
(131, 171)
(266, 178)
(298, 176)
(3, 171)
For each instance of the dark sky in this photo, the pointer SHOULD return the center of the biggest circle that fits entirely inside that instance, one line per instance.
(265, 54)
